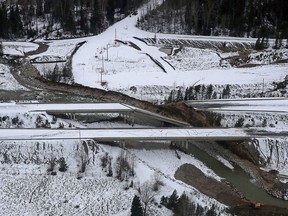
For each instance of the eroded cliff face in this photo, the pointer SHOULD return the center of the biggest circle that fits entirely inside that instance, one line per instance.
(272, 153)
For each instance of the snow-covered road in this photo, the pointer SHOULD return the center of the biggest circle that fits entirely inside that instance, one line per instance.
(279, 105)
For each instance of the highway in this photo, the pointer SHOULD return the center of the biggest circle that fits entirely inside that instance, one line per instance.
(172, 134)
(140, 134)
(273, 105)
(73, 108)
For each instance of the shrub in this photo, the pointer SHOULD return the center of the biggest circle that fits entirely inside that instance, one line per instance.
(15, 120)
(110, 172)
(52, 164)
(62, 165)
(104, 160)
(53, 173)
(240, 122)
(264, 123)
(157, 182)
(123, 167)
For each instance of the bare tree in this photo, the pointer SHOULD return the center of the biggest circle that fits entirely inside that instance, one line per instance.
(124, 166)
(157, 181)
(146, 194)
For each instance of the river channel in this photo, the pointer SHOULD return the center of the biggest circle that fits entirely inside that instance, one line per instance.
(238, 177)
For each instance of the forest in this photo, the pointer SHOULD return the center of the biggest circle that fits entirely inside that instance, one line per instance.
(243, 18)
(31, 18)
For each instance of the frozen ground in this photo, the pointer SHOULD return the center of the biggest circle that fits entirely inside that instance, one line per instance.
(18, 48)
(7, 81)
(26, 189)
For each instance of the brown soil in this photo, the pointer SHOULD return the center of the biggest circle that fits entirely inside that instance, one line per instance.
(221, 191)
(224, 193)
(27, 75)
(248, 65)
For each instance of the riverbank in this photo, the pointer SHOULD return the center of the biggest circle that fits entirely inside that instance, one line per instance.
(237, 190)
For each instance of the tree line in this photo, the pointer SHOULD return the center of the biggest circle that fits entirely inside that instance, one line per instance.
(243, 18)
(198, 92)
(30, 18)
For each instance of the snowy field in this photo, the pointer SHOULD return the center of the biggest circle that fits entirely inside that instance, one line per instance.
(18, 48)
(57, 50)
(28, 189)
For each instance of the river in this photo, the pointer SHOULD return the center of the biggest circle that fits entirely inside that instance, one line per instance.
(238, 177)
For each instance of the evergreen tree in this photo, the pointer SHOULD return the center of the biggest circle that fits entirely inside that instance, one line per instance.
(55, 76)
(4, 25)
(164, 200)
(172, 201)
(1, 49)
(15, 21)
(96, 19)
(209, 91)
(192, 95)
(83, 20)
(199, 211)
(203, 91)
(211, 211)
(110, 11)
(187, 94)
(171, 97)
(197, 90)
(278, 41)
(179, 95)
(188, 16)
(69, 22)
(184, 206)
(226, 92)
(66, 74)
(39, 8)
(123, 6)
(136, 208)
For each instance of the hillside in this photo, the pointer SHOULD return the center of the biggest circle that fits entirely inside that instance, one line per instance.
(157, 72)
(241, 18)
(60, 19)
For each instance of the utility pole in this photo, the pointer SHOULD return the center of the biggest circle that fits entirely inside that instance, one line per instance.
(107, 52)
(102, 69)
(263, 88)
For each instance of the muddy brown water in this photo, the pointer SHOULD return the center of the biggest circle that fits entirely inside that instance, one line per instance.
(238, 177)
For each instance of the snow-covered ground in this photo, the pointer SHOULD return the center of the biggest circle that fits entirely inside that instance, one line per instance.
(7, 81)
(126, 65)
(18, 48)
(28, 189)
(279, 105)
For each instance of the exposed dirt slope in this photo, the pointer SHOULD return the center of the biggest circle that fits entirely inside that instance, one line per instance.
(27, 75)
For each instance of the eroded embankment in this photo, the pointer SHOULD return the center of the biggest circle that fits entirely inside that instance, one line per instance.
(191, 175)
